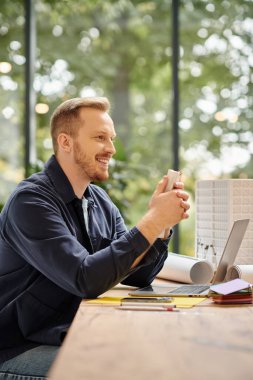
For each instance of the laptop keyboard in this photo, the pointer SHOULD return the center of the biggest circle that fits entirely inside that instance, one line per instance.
(191, 289)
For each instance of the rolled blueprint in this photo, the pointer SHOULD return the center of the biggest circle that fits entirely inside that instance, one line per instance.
(245, 272)
(186, 269)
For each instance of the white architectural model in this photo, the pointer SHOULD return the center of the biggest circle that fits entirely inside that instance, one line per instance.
(218, 204)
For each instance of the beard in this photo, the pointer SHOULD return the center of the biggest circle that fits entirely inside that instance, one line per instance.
(87, 166)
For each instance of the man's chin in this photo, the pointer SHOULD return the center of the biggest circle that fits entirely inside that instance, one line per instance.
(101, 177)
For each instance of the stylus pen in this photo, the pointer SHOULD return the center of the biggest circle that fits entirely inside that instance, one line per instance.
(147, 299)
(148, 304)
(147, 308)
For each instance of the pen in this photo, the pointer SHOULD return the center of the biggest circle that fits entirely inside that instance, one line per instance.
(147, 299)
(147, 308)
(148, 304)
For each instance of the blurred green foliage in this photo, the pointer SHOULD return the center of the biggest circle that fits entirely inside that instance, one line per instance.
(122, 49)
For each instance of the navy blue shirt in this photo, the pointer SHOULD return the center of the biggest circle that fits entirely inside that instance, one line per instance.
(48, 262)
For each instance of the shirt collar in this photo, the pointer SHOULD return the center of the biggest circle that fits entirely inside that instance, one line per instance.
(61, 183)
(59, 179)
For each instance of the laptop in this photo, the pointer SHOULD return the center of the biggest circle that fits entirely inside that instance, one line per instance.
(201, 290)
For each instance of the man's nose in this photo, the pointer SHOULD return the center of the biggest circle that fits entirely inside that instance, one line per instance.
(110, 147)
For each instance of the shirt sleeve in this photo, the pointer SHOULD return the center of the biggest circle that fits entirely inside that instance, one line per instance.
(146, 271)
(38, 231)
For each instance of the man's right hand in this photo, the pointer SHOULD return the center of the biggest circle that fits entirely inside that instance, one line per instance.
(165, 209)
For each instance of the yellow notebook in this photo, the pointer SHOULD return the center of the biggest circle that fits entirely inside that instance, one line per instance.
(182, 302)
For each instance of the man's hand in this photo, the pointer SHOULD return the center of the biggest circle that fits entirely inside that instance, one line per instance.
(166, 197)
(165, 209)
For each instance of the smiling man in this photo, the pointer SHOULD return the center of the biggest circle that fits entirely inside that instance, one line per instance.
(84, 145)
(62, 239)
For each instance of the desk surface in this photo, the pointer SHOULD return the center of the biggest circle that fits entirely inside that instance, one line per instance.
(203, 342)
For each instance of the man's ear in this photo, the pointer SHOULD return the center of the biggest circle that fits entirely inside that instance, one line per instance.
(65, 142)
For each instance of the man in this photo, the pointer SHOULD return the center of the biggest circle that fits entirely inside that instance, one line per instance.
(62, 239)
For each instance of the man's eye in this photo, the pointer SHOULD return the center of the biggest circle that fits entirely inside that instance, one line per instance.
(101, 138)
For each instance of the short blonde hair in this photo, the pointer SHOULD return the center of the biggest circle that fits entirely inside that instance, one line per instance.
(65, 118)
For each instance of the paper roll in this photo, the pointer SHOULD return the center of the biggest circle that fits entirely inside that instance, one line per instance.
(245, 272)
(186, 269)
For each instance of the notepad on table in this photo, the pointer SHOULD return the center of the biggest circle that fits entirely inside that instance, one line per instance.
(183, 302)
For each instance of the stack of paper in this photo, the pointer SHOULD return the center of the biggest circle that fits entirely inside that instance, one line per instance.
(232, 292)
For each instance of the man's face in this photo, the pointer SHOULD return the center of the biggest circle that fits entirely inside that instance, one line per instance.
(93, 147)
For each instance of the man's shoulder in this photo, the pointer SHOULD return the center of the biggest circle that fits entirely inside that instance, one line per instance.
(36, 183)
(35, 187)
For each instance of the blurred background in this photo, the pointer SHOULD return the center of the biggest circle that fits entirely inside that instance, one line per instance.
(52, 50)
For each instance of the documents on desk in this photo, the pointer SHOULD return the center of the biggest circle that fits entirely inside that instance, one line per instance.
(186, 269)
(245, 272)
(232, 292)
(181, 302)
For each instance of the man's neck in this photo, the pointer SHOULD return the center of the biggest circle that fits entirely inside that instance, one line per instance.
(76, 179)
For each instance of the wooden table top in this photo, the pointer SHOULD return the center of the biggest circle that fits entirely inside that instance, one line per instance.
(201, 343)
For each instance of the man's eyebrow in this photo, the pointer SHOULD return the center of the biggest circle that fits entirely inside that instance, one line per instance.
(103, 132)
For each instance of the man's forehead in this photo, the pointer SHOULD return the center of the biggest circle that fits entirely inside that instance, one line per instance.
(95, 114)
(97, 120)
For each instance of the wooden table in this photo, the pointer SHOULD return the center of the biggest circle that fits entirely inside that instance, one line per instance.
(201, 343)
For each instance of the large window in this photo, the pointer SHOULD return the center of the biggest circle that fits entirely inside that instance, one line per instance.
(217, 88)
(11, 96)
(123, 49)
(120, 49)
